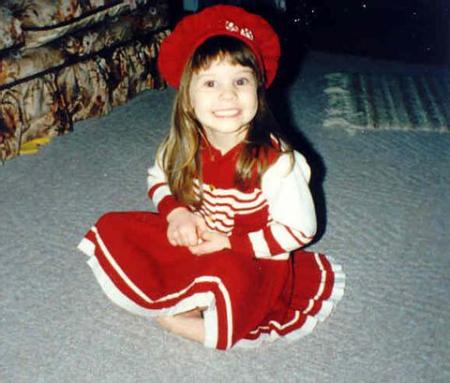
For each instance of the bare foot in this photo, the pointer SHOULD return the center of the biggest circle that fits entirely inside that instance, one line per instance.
(189, 325)
(196, 313)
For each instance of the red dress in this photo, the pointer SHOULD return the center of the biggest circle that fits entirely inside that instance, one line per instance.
(262, 288)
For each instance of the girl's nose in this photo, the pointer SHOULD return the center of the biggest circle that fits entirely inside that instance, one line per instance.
(228, 92)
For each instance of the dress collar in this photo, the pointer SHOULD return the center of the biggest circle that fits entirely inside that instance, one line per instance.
(215, 154)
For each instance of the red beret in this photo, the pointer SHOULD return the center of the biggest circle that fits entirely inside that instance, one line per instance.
(219, 20)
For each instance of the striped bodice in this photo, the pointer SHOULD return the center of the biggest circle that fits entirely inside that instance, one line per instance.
(221, 206)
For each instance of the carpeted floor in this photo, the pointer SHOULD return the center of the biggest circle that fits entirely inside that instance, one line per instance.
(383, 203)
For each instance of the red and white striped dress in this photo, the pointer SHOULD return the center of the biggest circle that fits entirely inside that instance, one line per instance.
(262, 288)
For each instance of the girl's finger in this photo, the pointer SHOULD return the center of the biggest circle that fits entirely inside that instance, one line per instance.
(207, 235)
(201, 226)
(171, 239)
(198, 250)
(176, 238)
(188, 238)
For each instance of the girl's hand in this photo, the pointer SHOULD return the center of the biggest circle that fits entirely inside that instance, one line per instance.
(185, 228)
(211, 242)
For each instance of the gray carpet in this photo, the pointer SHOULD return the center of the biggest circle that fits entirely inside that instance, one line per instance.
(386, 196)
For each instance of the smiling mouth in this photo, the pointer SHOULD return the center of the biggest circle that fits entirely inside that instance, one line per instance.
(223, 113)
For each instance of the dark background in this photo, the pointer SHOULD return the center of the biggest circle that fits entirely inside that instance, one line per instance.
(413, 31)
(404, 30)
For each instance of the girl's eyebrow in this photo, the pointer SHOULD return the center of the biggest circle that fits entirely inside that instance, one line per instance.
(249, 71)
(212, 73)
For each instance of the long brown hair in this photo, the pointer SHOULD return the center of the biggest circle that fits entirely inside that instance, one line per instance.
(179, 152)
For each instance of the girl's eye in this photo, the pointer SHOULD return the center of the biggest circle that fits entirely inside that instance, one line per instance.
(210, 84)
(242, 81)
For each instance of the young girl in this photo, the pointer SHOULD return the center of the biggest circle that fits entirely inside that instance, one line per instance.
(220, 262)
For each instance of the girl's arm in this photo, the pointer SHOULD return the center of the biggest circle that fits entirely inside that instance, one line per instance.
(159, 192)
(184, 227)
(292, 222)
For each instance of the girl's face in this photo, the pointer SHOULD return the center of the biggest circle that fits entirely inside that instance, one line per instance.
(224, 99)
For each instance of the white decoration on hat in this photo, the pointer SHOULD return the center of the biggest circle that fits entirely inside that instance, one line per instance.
(247, 33)
(232, 27)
